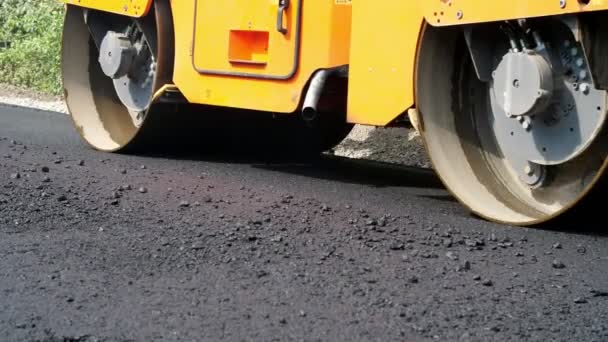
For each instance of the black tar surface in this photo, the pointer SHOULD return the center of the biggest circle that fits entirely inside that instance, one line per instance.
(110, 247)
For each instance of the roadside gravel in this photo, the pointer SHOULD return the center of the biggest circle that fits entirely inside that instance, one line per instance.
(389, 145)
(18, 97)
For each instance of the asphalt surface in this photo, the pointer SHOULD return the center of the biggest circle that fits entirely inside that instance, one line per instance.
(195, 247)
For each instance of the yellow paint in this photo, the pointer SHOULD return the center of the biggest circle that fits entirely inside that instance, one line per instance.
(382, 58)
(455, 12)
(324, 42)
(131, 8)
(223, 25)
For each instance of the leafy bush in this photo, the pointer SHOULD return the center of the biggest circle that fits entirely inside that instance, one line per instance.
(33, 30)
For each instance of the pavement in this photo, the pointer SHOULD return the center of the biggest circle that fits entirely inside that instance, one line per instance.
(199, 246)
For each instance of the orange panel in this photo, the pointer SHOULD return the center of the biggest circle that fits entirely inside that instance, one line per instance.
(217, 22)
(248, 47)
(324, 42)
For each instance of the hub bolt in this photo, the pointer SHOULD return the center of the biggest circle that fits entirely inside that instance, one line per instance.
(585, 88)
(574, 52)
(582, 75)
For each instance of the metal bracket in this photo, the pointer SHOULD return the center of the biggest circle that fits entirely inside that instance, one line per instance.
(481, 47)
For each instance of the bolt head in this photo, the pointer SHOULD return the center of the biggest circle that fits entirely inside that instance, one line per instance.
(582, 74)
(574, 52)
(528, 170)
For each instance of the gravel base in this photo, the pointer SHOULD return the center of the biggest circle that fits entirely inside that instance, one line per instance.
(389, 145)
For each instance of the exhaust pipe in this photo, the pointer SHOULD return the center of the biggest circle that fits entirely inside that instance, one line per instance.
(315, 90)
(311, 101)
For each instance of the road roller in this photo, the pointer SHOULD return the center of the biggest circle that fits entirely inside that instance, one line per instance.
(509, 97)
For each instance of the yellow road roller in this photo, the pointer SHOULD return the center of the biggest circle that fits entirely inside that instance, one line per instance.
(510, 97)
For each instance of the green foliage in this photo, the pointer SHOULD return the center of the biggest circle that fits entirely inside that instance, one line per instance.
(33, 29)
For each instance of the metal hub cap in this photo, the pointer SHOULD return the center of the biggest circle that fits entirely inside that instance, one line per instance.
(127, 59)
(523, 83)
(116, 55)
(546, 110)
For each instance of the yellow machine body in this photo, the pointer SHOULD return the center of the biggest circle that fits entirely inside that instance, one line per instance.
(385, 39)
(431, 59)
(459, 12)
(230, 53)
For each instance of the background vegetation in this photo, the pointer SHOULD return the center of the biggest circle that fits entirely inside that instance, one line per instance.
(32, 31)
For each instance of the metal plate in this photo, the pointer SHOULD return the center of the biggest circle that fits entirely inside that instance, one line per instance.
(563, 131)
(131, 8)
(458, 12)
